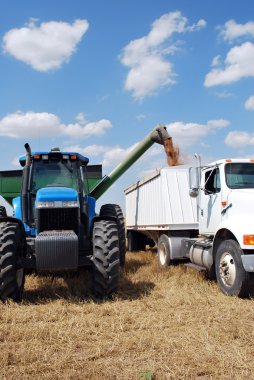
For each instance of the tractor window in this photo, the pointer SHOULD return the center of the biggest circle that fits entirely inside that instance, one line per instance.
(212, 181)
(54, 173)
(240, 175)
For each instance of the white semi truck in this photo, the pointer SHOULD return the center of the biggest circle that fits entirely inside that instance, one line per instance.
(203, 215)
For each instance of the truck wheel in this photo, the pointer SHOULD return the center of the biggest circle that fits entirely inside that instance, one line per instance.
(12, 277)
(3, 213)
(233, 280)
(106, 262)
(163, 251)
(116, 212)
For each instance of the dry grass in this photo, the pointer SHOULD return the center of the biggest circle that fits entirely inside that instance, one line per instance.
(168, 324)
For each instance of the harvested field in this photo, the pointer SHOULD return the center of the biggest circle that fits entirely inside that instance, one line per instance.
(163, 324)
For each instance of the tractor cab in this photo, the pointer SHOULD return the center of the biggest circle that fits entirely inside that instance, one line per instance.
(53, 188)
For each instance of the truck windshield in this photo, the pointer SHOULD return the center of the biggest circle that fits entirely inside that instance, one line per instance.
(48, 173)
(240, 175)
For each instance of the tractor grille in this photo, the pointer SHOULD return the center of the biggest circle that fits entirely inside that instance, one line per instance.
(58, 219)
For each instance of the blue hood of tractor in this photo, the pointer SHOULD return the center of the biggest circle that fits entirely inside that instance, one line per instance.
(50, 194)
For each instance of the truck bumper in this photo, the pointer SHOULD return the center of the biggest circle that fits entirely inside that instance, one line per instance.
(248, 262)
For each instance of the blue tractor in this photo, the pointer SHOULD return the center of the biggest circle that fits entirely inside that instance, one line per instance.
(55, 228)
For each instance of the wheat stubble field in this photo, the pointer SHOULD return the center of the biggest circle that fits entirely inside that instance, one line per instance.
(163, 324)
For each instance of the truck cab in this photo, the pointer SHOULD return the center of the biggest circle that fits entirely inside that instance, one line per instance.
(226, 196)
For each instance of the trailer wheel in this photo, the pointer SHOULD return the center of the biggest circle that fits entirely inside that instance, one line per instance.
(12, 276)
(106, 261)
(116, 212)
(163, 251)
(232, 278)
(3, 213)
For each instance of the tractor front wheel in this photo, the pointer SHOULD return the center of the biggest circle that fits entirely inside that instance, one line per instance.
(106, 263)
(12, 275)
(116, 212)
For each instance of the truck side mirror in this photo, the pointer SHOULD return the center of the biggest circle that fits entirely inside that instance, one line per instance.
(194, 182)
(193, 193)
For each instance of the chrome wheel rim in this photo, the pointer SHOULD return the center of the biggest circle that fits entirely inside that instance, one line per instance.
(162, 254)
(227, 269)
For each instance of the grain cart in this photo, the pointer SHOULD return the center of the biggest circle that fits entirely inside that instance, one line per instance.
(55, 227)
(201, 215)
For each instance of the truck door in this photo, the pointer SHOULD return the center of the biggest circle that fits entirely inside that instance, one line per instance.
(210, 201)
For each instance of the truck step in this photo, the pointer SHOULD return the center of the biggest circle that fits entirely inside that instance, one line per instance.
(195, 266)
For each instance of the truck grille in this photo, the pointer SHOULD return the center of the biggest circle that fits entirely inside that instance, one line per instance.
(58, 219)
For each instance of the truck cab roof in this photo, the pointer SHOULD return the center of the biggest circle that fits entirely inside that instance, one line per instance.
(229, 160)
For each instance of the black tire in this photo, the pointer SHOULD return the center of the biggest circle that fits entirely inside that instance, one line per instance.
(106, 263)
(231, 276)
(12, 276)
(116, 212)
(3, 213)
(163, 251)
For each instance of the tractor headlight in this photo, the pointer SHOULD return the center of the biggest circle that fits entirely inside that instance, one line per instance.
(70, 204)
(45, 204)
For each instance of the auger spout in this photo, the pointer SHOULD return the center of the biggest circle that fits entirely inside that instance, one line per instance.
(158, 135)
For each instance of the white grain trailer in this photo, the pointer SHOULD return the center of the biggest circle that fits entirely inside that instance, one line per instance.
(203, 215)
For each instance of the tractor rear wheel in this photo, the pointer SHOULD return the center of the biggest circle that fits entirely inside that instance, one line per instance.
(12, 276)
(116, 212)
(106, 263)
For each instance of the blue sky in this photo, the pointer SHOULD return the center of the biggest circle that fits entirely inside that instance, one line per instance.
(97, 76)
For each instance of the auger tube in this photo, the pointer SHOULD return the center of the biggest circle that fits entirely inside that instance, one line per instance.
(158, 135)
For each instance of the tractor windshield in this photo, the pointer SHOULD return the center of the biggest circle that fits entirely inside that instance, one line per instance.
(56, 173)
(240, 175)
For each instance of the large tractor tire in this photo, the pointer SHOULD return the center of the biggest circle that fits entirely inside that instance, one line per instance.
(3, 213)
(233, 280)
(12, 276)
(106, 263)
(116, 212)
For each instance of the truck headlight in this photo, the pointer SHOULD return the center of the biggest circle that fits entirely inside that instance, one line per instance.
(45, 204)
(70, 204)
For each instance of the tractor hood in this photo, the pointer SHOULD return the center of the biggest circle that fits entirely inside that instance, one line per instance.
(56, 194)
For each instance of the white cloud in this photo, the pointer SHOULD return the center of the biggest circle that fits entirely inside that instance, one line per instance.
(238, 65)
(249, 104)
(146, 57)
(224, 94)
(239, 139)
(185, 134)
(42, 125)
(113, 155)
(232, 30)
(47, 46)
(216, 61)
